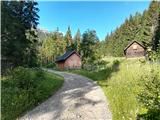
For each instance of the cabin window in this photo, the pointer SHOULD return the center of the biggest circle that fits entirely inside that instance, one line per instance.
(134, 47)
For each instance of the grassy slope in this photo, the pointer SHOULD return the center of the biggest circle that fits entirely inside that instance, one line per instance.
(15, 101)
(121, 84)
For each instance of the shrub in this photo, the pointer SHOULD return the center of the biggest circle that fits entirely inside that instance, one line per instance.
(50, 65)
(154, 55)
(116, 62)
(150, 96)
(40, 74)
(25, 88)
(23, 78)
(142, 61)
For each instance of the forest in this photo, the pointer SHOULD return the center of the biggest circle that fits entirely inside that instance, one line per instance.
(26, 50)
(29, 46)
(144, 28)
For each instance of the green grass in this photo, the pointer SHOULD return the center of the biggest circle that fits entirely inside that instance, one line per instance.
(121, 84)
(16, 100)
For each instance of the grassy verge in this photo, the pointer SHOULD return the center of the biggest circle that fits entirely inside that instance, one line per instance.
(121, 84)
(23, 89)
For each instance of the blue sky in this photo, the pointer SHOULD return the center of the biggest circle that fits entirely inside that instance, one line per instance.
(103, 17)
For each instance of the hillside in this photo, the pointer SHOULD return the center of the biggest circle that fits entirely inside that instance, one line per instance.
(122, 80)
(140, 27)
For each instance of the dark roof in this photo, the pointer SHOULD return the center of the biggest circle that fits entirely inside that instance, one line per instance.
(132, 43)
(66, 55)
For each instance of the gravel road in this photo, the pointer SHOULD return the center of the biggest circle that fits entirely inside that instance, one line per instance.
(78, 99)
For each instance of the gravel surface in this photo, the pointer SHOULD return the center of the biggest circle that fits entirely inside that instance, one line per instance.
(79, 99)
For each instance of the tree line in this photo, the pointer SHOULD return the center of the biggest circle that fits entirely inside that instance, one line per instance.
(18, 38)
(144, 28)
(56, 44)
(25, 45)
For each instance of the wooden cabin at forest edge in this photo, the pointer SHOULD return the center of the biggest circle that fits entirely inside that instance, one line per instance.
(135, 49)
(70, 60)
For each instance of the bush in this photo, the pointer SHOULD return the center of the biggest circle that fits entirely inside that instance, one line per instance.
(23, 78)
(154, 55)
(25, 88)
(150, 96)
(116, 62)
(142, 61)
(50, 65)
(40, 74)
(121, 82)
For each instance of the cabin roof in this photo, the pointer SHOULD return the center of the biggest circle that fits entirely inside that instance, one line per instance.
(132, 43)
(66, 55)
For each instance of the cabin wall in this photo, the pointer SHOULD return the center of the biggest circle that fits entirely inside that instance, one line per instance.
(61, 65)
(138, 52)
(74, 61)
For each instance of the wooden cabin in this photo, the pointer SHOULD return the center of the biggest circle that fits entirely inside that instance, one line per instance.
(135, 49)
(70, 60)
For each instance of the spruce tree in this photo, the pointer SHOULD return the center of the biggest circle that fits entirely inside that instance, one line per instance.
(88, 44)
(68, 39)
(19, 39)
(140, 27)
(77, 40)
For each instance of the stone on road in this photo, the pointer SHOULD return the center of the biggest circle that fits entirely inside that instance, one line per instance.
(78, 99)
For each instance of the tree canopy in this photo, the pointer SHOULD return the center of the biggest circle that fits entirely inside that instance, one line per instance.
(143, 28)
(28, 46)
(19, 21)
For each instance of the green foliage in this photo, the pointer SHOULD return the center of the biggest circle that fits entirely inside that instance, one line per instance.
(116, 62)
(19, 39)
(68, 39)
(56, 45)
(150, 96)
(19, 75)
(42, 35)
(89, 44)
(154, 56)
(77, 41)
(24, 88)
(50, 65)
(100, 75)
(121, 84)
(143, 28)
(51, 47)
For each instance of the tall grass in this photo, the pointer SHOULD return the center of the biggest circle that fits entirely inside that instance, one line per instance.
(24, 88)
(121, 85)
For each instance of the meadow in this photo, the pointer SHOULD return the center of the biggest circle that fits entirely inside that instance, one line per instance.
(24, 88)
(122, 81)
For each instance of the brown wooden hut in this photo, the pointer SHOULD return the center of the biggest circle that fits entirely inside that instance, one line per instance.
(70, 60)
(135, 49)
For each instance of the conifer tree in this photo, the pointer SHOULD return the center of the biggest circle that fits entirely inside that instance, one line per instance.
(77, 40)
(68, 39)
(19, 39)
(140, 27)
(88, 44)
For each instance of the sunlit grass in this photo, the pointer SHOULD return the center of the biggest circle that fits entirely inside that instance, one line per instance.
(16, 101)
(121, 86)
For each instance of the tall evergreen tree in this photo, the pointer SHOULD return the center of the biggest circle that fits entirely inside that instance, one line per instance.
(17, 43)
(150, 23)
(77, 40)
(154, 13)
(157, 38)
(140, 27)
(89, 42)
(68, 39)
(157, 35)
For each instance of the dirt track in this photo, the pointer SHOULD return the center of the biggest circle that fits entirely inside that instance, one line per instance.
(79, 99)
